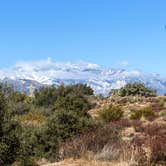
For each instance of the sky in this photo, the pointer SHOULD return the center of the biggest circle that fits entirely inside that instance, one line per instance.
(127, 34)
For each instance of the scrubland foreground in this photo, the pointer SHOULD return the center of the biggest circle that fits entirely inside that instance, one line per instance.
(70, 126)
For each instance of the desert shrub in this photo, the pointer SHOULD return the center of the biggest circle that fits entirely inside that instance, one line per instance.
(161, 102)
(158, 149)
(137, 124)
(153, 136)
(136, 115)
(113, 113)
(114, 92)
(123, 100)
(93, 139)
(154, 129)
(108, 153)
(99, 97)
(162, 113)
(31, 117)
(27, 161)
(146, 112)
(133, 89)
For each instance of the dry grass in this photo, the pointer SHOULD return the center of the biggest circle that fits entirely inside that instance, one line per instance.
(141, 141)
(83, 162)
(31, 119)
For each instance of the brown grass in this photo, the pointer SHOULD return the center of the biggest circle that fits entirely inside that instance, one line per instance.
(83, 162)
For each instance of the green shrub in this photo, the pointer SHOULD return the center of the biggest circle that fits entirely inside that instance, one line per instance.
(47, 96)
(162, 113)
(44, 142)
(136, 115)
(64, 110)
(32, 117)
(133, 89)
(84, 89)
(9, 135)
(32, 146)
(19, 108)
(75, 102)
(113, 113)
(146, 112)
(161, 103)
(68, 123)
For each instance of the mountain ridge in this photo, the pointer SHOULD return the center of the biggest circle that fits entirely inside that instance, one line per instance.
(102, 80)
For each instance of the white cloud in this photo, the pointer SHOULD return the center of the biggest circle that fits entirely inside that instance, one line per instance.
(45, 70)
(124, 63)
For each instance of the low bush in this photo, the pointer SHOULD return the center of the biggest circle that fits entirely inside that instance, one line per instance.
(19, 108)
(43, 141)
(136, 115)
(161, 102)
(153, 136)
(163, 113)
(75, 102)
(136, 89)
(33, 144)
(113, 113)
(68, 124)
(146, 112)
(93, 139)
(108, 153)
(32, 117)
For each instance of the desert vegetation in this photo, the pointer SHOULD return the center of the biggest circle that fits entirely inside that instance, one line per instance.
(70, 125)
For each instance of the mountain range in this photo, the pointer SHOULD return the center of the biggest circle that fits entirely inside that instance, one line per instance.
(44, 73)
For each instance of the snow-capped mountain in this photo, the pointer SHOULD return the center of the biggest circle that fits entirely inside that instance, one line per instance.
(25, 74)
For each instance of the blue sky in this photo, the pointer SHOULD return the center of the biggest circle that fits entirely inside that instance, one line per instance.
(112, 33)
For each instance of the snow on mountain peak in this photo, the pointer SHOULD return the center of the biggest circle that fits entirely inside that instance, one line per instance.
(100, 79)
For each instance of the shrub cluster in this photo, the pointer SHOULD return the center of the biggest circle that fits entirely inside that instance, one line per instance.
(110, 114)
(9, 135)
(146, 112)
(153, 136)
(134, 89)
(60, 112)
